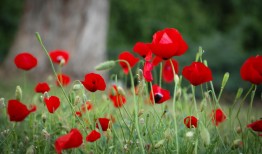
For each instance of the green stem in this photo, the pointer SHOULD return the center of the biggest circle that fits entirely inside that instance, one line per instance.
(160, 74)
(54, 71)
(251, 102)
(194, 99)
(174, 106)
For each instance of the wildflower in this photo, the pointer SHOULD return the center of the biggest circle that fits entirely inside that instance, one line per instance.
(94, 82)
(191, 121)
(148, 67)
(52, 103)
(141, 48)
(197, 73)
(63, 79)
(25, 61)
(168, 74)
(59, 56)
(251, 70)
(129, 58)
(218, 116)
(93, 136)
(256, 126)
(167, 43)
(71, 140)
(159, 95)
(116, 97)
(84, 107)
(104, 123)
(42, 87)
(17, 111)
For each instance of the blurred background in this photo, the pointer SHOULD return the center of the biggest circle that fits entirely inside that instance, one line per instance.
(229, 31)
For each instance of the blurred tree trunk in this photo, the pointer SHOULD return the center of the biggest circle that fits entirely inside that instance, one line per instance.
(78, 26)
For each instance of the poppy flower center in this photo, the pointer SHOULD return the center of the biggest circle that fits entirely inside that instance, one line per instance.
(158, 97)
(59, 58)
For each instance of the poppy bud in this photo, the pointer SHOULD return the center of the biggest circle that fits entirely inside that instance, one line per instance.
(159, 144)
(2, 102)
(225, 79)
(30, 150)
(141, 120)
(18, 93)
(205, 62)
(205, 136)
(239, 130)
(44, 117)
(105, 65)
(237, 144)
(140, 74)
(77, 87)
(176, 79)
(121, 91)
(77, 100)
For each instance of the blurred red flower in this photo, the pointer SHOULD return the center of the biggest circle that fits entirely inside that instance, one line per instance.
(71, 140)
(63, 79)
(159, 95)
(132, 60)
(251, 70)
(197, 73)
(117, 97)
(93, 136)
(104, 123)
(167, 43)
(141, 48)
(148, 67)
(52, 103)
(218, 116)
(58, 55)
(191, 121)
(256, 126)
(17, 111)
(25, 61)
(168, 74)
(84, 107)
(94, 82)
(42, 87)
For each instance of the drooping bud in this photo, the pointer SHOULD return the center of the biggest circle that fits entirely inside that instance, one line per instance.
(205, 136)
(77, 87)
(105, 65)
(18, 93)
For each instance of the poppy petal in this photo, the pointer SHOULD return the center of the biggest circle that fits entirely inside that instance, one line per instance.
(93, 136)
(52, 103)
(25, 61)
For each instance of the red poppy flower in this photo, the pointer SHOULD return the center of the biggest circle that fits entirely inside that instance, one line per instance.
(256, 126)
(168, 74)
(218, 117)
(251, 70)
(71, 140)
(17, 111)
(129, 58)
(64, 79)
(168, 43)
(58, 55)
(104, 123)
(42, 87)
(148, 67)
(94, 82)
(93, 136)
(197, 73)
(141, 48)
(25, 61)
(117, 97)
(52, 103)
(84, 107)
(160, 95)
(191, 121)
(157, 60)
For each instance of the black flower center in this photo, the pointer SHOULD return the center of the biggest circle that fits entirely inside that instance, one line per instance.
(158, 97)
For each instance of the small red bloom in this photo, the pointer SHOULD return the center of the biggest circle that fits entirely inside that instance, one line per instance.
(104, 123)
(148, 67)
(141, 48)
(191, 121)
(52, 103)
(84, 107)
(93, 136)
(129, 58)
(218, 117)
(197, 73)
(256, 126)
(64, 79)
(25, 61)
(168, 74)
(42, 87)
(94, 82)
(116, 97)
(160, 95)
(58, 55)
(251, 70)
(168, 43)
(71, 140)
(17, 111)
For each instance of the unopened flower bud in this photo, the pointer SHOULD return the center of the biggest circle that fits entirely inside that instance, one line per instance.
(2, 102)
(105, 65)
(159, 144)
(141, 120)
(77, 100)
(121, 91)
(239, 130)
(77, 87)
(189, 134)
(225, 79)
(205, 136)
(43, 117)
(176, 79)
(18, 93)
(237, 143)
